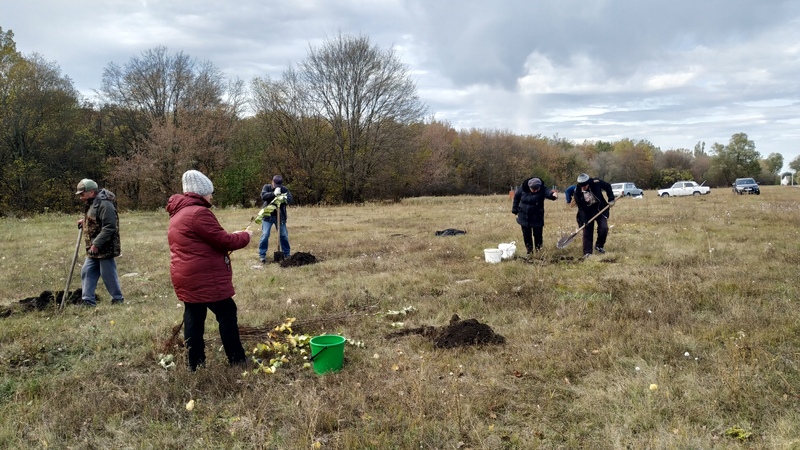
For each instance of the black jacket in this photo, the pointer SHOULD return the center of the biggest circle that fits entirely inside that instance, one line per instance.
(268, 195)
(529, 206)
(585, 211)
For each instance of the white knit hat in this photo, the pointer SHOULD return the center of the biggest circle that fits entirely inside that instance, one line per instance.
(194, 181)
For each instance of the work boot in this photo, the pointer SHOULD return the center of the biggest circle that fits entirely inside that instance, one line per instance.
(600, 250)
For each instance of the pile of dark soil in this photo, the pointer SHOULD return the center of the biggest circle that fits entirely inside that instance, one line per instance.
(299, 259)
(458, 333)
(450, 232)
(43, 301)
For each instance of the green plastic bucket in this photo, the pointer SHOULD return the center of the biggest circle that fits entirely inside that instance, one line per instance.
(327, 353)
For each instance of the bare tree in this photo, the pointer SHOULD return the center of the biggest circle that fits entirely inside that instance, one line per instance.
(367, 98)
(174, 113)
(300, 141)
(436, 168)
(675, 159)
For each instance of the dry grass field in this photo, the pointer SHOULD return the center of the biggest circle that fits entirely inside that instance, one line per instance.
(686, 334)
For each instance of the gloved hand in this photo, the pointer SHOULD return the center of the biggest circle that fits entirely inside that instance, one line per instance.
(611, 202)
(277, 191)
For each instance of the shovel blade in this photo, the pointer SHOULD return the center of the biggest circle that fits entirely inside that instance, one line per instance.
(564, 241)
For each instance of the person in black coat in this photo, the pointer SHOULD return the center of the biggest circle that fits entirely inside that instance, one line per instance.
(590, 201)
(528, 206)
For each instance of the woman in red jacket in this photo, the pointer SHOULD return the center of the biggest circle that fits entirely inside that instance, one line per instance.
(200, 268)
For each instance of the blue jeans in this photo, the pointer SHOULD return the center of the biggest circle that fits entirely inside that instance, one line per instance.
(266, 228)
(93, 269)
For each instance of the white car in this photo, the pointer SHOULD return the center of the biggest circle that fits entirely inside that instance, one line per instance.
(682, 188)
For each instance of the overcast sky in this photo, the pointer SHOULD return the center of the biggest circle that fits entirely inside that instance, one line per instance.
(673, 73)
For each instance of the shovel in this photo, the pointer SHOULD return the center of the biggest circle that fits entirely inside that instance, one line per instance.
(278, 256)
(71, 269)
(564, 241)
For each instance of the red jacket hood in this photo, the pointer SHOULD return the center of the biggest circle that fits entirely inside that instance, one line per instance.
(179, 201)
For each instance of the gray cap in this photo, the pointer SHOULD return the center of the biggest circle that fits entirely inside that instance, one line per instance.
(583, 179)
(86, 185)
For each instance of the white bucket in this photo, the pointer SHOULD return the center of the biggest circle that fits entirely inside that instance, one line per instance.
(508, 249)
(493, 255)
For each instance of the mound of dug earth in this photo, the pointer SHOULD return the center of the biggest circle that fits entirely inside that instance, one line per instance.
(44, 300)
(458, 333)
(299, 259)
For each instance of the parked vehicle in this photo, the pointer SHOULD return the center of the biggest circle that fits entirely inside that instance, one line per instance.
(626, 190)
(682, 188)
(746, 186)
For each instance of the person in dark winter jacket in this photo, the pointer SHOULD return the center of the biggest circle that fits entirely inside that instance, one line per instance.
(277, 218)
(200, 268)
(528, 206)
(101, 230)
(589, 198)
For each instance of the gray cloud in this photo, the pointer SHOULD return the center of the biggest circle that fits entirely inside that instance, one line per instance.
(672, 73)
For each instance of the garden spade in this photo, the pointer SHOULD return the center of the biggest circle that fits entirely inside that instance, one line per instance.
(564, 241)
(72, 268)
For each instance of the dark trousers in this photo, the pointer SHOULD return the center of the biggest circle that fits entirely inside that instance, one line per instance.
(588, 234)
(537, 237)
(194, 318)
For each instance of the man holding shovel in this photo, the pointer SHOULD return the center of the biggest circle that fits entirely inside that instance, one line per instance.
(588, 196)
(101, 229)
(278, 193)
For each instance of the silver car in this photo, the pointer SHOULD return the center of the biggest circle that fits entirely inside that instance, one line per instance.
(626, 190)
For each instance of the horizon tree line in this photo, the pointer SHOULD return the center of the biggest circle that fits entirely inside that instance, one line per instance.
(344, 125)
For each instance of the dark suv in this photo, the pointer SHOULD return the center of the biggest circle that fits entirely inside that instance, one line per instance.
(746, 186)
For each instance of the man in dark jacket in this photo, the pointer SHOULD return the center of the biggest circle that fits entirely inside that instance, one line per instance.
(528, 206)
(200, 268)
(101, 229)
(589, 198)
(275, 192)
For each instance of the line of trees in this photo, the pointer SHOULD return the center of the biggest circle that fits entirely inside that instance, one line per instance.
(344, 125)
